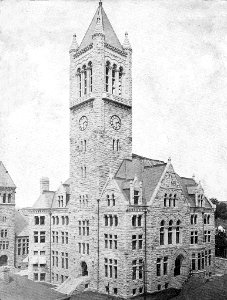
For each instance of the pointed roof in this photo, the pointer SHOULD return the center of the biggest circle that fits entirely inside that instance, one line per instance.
(148, 171)
(110, 36)
(5, 179)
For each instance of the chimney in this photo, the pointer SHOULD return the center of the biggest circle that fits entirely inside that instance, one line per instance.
(4, 274)
(44, 184)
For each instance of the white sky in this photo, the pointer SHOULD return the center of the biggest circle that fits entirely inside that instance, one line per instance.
(179, 86)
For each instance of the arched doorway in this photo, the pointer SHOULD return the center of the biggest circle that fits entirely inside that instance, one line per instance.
(178, 264)
(84, 270)
(3, 260)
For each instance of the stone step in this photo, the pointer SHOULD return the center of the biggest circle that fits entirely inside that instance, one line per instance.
(72, 285)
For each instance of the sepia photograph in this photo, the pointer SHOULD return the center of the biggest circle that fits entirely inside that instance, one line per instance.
(113, 149)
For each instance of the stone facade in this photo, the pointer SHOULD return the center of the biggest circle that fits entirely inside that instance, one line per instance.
(123, 224)
(7, 218)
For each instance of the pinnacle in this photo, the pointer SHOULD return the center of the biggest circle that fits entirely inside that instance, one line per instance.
(98, 26)
(126, 44)
(74, 45)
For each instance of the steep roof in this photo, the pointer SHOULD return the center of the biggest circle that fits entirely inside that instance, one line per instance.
(146, 170)
(44, 200)
(110, 36)
(5, 179)
(21, 224)
(21, 288)
(188, 185)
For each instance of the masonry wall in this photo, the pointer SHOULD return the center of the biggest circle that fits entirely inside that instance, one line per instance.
(7, 223)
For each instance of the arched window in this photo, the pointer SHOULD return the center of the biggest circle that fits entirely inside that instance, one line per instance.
(165, 200)
(114, 79)
(115, 220)
(67, 220)
(9, 198)
(170, 200)
(63, 220)
(90, 76)
(79, 82)
(85, 79)
(113, 144)
(120, 81)
(208, 219)
(108, 200)
(57, 220)
(178, 232)
(4, 198)
(174, 199)
(107, 75)
(118, 145)
(113, 200)
(162, 232)
(53, 220)
(170, 232)
(111, 220)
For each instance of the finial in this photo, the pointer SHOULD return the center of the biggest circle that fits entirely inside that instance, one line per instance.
(100, 3)
(126, 44)
(169, 159)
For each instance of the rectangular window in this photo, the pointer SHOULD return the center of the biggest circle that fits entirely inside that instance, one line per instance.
(203, 260)
(158, 267)
(208, 236)
(199, 261)
(141, 241)
(36, 237)
(134, 242)
(140, 268)
(42, 220)
(193, 262)
(36, 220)
(106, 267)
(42, 236)
(66, 237)
(115, 241)
(136, 197)
(35, 276)
(165, 265)
(106, 240)
(133, 269)
(42, 276)
(209, 257)
(66, 261)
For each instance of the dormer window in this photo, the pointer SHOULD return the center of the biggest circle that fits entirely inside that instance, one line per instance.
(136, 197)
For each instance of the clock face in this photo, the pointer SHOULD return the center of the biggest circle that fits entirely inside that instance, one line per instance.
(83, 123)
(115, 122)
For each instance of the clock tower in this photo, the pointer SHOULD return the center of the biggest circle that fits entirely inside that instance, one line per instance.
(100, 130)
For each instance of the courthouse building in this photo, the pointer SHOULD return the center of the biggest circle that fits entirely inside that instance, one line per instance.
(122, 223)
